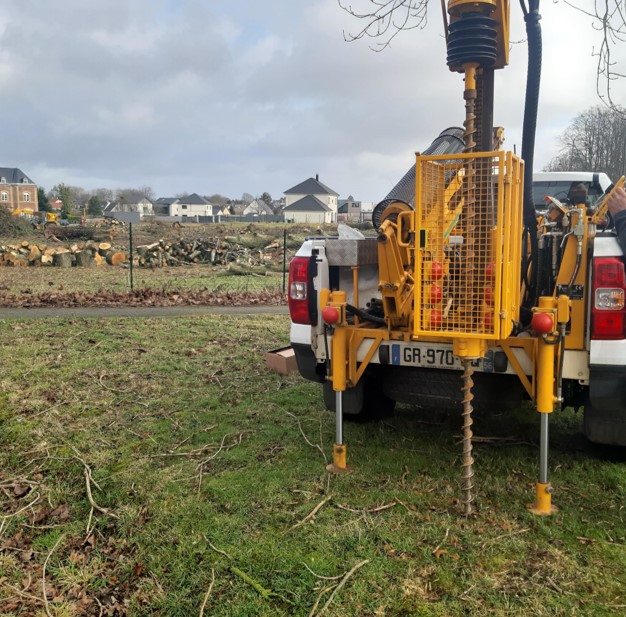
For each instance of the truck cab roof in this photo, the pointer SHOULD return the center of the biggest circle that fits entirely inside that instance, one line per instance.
(557, 184)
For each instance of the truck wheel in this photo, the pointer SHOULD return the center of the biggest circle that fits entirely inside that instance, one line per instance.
(364, 402)
(604, 427)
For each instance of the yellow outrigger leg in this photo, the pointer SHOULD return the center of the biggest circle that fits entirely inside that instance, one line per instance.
(549, 311)
(334, 312)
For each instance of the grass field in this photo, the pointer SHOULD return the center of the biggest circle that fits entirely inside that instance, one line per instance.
(28, 281)
(52, 285)
(156, 467)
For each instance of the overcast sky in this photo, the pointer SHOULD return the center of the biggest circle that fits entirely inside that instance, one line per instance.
(233, 96)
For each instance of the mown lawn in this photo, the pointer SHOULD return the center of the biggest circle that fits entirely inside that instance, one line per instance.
(204, 469)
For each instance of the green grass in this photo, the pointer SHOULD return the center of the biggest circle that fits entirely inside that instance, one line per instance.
(129, 396)
(28, 281)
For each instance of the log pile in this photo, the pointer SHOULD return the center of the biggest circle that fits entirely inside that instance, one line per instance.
(83, 254)
(216, 252)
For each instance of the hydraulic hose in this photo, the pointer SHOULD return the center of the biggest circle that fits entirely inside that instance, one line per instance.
(533, 31)
(364, 315)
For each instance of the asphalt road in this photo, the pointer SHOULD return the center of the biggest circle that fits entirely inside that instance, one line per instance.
(138, 311)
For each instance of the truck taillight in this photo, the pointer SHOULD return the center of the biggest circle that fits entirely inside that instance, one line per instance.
(608, 313)
(302, 307)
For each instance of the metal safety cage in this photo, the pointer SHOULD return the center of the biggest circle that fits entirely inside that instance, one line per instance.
(468, 229)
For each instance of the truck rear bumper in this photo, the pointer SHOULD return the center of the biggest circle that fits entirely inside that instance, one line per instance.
(308, 365)
(607, 388)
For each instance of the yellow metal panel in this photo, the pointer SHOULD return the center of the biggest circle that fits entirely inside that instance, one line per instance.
(468, 225)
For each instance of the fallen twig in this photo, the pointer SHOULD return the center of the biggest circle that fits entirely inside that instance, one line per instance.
(266, 594)
(88, 480)
(368, 510)
(22, 593)
(43, 411)
(43, 576)
(5, 517)
(504, 535)
(445, 537)
(313, 512)
(208, 593)
(319, 598)
(237, 442)
(184, 441)
(344, 580)
(313, 445)
(102, 376)
(217, 550)
(324, 578)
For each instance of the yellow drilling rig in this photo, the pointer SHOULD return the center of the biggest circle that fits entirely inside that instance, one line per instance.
(467, 276)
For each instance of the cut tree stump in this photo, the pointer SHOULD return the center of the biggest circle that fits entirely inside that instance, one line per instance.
(62, 260)
(84, 259)
(115, 258)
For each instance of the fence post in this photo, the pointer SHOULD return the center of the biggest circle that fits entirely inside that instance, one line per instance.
(130, 241)
(284, 259)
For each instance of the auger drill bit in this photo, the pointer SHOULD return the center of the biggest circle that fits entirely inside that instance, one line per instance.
(470, 266)
(468, 460)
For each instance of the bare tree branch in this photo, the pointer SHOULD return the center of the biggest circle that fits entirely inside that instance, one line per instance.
(609, 18)
(386, 19)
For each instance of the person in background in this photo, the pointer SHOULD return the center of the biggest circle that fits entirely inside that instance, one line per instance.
(617, 207)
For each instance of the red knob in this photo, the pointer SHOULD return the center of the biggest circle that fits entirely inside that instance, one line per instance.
(542, 323)
(436, 319)
(330, 315)
(488, 319)
(436, 271)
(436, 294)
(489, 295)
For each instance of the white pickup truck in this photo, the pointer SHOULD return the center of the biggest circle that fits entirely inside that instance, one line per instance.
(427, 373)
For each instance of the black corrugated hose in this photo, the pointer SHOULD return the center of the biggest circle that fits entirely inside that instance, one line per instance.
(533, 80)
(364, 315)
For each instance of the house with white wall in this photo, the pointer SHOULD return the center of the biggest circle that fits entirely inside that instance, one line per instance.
(192, 205)
(257, 207)
(311, 201)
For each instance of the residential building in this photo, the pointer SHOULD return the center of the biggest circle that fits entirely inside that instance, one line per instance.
(257, 208)
(192, 205)
(352, 211)
(163, 205)
(311, 201)
(142, 206)
(17, 190)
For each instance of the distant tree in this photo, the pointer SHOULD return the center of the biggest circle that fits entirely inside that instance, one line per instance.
(267, 198)
(595, 140)
(94, 206)
(133, 196)
(66, 195)
(217, 199)
(42, 200)
(181, 195)
(247, 198)
(148, 193)
(104, 195)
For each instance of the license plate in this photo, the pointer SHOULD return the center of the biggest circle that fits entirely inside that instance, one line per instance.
(427, 354)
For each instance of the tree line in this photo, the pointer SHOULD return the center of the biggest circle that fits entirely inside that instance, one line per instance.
(595, 140)
(93, 201)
